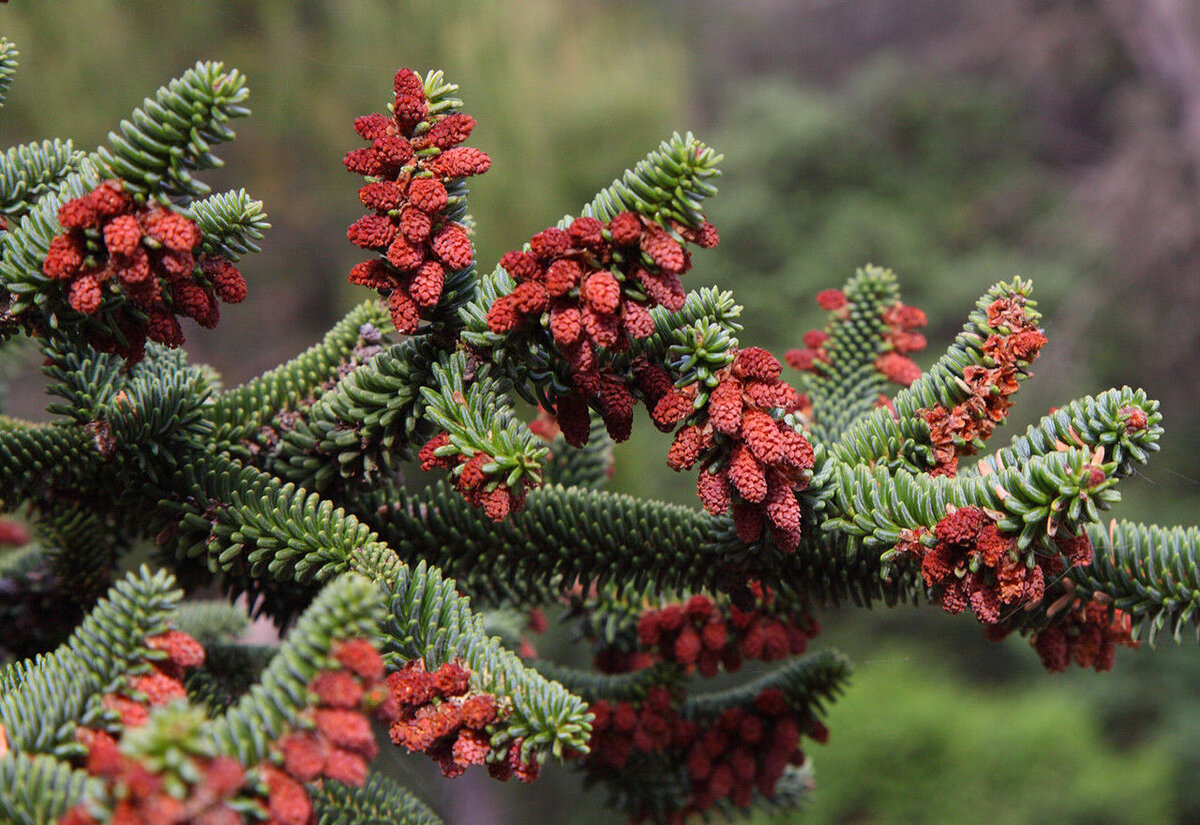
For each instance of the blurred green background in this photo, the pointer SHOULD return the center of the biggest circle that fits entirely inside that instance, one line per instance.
(960, 142)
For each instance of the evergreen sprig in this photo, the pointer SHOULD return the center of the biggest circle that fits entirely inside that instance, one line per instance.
(39, 789)
(561, 536)
(29, 171)
(1106, 420)
(902, 436)
(428, 619)
(478, 420)
(808, 683)
(670, 183)
(44, 703)
(348, 607)
(239, 412)
(848, 385)
(355, 433)
(589, 466)
(8, 66)
(156, 150)
(1148, 571)
(231, 223)
(379, 801)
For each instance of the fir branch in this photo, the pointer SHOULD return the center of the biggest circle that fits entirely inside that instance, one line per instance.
(46, 701)
(940, 384)
(832, 569)
(1148, 571)
(23, 249)
(848, 385)
(211, 622)
(82, 548)
(616, 687)
(238, 413)
(172, 134)
(29, 171)
(476, 415)
(902, 438)
(670, 183)
(159, 420)
(1108, 420)
(356, 431)
(8, 66)
(428, 619)
(37, 459)
(249, 524)
(808, 683)
(230, 222)
(589, 466)
(245, 521)
(696, 341)
(379, 802)
(86, 380)
(347, 608)
(1037, 497)
(229, 671)
(562, 535)
(39, 790)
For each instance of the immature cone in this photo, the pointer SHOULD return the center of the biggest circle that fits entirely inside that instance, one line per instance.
(412, 165)
(582, 283)
(952, 432)
(492, 495)
(116, 255)
(753, 462)
(439, 714)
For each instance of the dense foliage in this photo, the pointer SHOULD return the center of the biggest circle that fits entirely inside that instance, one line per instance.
(826, 490)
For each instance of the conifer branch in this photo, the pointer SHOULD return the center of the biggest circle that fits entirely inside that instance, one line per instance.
(614, 687)
(848, 385)
(246, 522)
(1148, 571)
(38, 789)
(1124, 422)
(589, 466)
(1035, 498)
(24, 246)
(808, 683)
(172, 134)
(902, 437)
(37, 459)
(82, 548)
(428, 619)
(561, 535)
(347, 608)
(379, 801)
(240, 412)
(231, 223)
(86, 380)
(30, 171)
(358, 430)
(44, 702)
(669, 183)
(8, 66)
(211, 622)
(477, 419)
